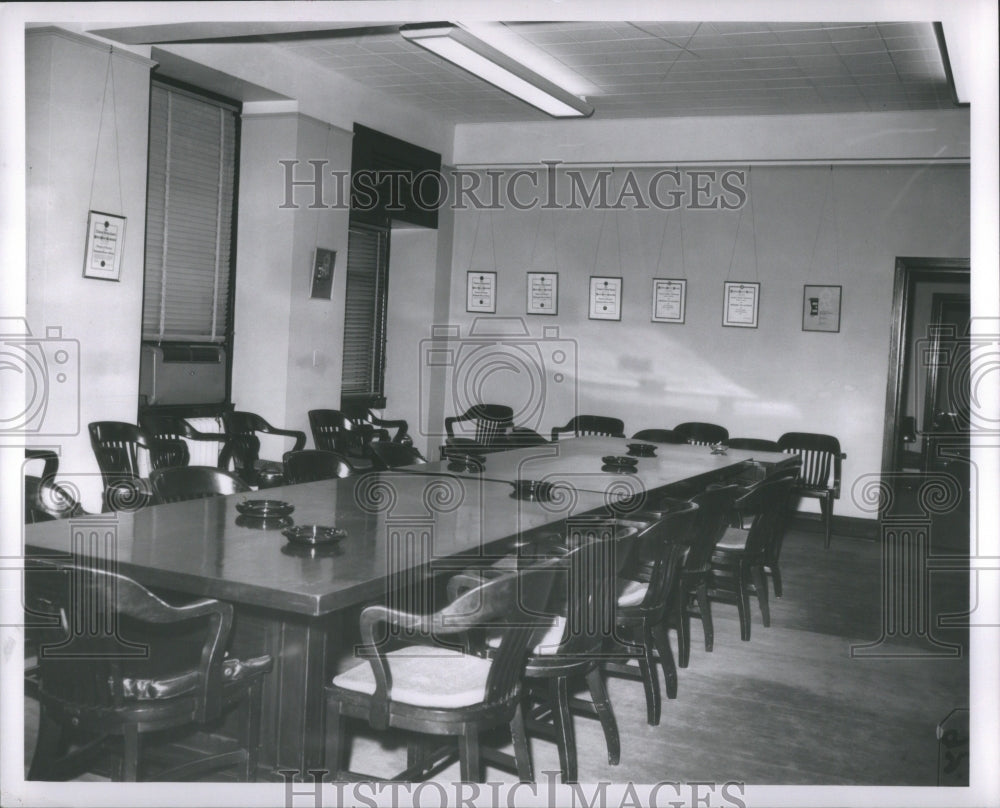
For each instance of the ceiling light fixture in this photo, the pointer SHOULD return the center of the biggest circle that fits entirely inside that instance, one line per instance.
(461, 48)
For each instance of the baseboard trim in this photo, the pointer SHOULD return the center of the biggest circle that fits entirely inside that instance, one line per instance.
(852, 526)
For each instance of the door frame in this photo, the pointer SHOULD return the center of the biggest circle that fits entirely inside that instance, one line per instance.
(909, 271)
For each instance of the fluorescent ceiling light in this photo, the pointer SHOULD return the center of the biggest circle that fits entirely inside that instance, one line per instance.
(460, 47)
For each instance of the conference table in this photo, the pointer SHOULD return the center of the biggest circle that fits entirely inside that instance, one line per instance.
(404, 528)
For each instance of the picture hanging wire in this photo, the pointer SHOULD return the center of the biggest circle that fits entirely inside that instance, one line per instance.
(753, 228)
(663, 237)
(600, 234)
(109, 81)
(326, 154)
(822, 219)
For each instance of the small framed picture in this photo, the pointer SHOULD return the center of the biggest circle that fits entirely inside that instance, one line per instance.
(105, 245)
(605, 298)
(481, 292)
(741, 302)
(821, 308)
(669, 300)
(322, 273)
(543, 293)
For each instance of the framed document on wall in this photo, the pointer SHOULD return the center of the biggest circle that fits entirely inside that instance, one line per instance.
(481, 292)
(105, 245)
(543, 293)
(740, 304)
(669, 300)
(605, 298)
(821, 308)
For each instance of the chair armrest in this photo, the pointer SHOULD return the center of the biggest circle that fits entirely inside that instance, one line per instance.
(449, 425)
(300, 437)
(399, 425)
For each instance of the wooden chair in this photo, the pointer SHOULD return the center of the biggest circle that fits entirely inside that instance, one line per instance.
(310, 465)
(691, 594)
(175, 427)
(583, 600)
(116, 447)
(437, 688)
(701, 433)
(647, 586)
(364, 417)
(393, 455)
(738, 563)
(821, 471)
(242, 445)
(333, 431)
(44, 498)
(131, 666)
(194, 482)
(659, 436)
(591, 425)
(520, 437)
(753, 444)
(490, 423)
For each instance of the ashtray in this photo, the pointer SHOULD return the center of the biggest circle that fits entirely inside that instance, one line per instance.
(618, 469)
(532, 490)
(264, 508)
(641, 449)
(466, 462)
(719, 448)
(261, 523)
(619, 461)
(313, 535)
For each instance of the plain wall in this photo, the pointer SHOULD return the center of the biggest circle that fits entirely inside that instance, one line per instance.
(79, 161)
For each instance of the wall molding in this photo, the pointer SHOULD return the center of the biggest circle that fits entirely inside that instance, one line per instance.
(90, 42)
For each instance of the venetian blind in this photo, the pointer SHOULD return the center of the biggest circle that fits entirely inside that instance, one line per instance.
(364, 312)
(189, 212)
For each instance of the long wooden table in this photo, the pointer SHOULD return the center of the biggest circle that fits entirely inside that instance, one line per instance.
(301, 606)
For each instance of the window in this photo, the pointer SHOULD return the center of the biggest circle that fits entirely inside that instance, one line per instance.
(363, 375)
(189, 216)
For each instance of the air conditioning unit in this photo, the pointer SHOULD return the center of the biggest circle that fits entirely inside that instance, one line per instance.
(182, 374)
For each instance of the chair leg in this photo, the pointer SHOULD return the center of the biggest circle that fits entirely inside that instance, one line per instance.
(470, 769)
(826, 506)
(565, 738)
(742, 600)
(522, 754)
(662, 640)
(251, 732)
(760, 584)
(599, 695)
(683, 622)
(776, 579)
(130, 765)
(705, 607)
(336, 744)
(650, 680)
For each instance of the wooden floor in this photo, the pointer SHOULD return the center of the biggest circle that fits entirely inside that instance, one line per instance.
(792, 706)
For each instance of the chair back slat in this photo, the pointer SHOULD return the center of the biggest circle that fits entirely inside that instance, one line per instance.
(591, 425)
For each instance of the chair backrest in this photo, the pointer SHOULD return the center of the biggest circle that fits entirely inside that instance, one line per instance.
(821, 459)
(753, 444)
(119, 644)
(585, 589)
(44, 498)
(116, 447)
(591, 425)
(516, 603)
(767, 503)
(242, 444)
(714, 509)
(492, 422)
(521, 436)
(175, 427)
(194, 482)
(702, 433)
(333, 431)
(310, 465)
(659, 436)
(392, 455)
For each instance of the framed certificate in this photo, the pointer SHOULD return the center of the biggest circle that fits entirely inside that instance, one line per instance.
(322, 273)
(821, 308)
(105, 245)
(605, 298)
(740, 304)
(481, 291)
(669, 300)
(543, 293)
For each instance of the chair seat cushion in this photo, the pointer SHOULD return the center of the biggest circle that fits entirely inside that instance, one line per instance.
(425, 676)
(735, 538)
(633, 593)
